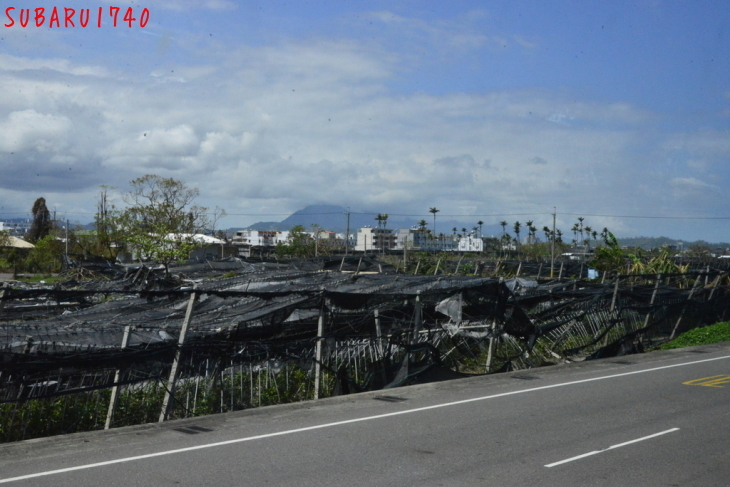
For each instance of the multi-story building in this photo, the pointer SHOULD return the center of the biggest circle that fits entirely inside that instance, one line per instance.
(374, 239)
(255, 238)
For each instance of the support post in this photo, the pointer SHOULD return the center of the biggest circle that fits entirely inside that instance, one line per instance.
(714, 286)
(418, 318)
(457, 265)
(653, 297)
(318, 353)
(117, 377)
(405, 254)
(552, 247)
(378, 333)
(2, 298)
(689, 298)
(490, 351)
(171, 383)
(560, 275)
(615, 293)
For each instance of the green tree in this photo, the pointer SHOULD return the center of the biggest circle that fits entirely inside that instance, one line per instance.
(298, 244)
(161, 219)
(46, 255)
(42, 223)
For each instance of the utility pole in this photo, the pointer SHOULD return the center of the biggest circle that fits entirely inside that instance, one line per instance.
(347, 233)
(552, 247)
(67, 237)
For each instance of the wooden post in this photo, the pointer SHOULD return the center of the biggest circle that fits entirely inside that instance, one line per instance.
(689, 298)
(170, 393)
(117, 377)
(560, 274)
(615, 293)
(539, 270)
(438, 263)
(405, 254)
(342, 263)
(714, 286)
(519, 268)
(318, 353)
(490, 351)
(358, 265)
(378, 334)
(653, 296)
(418, 264)
(418, 317)
(458, 264)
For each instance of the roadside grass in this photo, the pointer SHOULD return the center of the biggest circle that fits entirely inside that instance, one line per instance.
(719, 332)
(42, 278)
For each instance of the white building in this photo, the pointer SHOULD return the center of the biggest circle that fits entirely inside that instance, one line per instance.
(374, 239)
(256, 238)
(471, 244)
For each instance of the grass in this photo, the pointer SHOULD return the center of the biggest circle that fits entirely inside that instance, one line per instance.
(719, 332)
(46, 278)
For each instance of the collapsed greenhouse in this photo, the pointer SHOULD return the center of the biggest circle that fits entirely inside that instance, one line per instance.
(137, 347)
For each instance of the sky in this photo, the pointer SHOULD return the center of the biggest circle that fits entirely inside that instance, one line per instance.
(487, 110)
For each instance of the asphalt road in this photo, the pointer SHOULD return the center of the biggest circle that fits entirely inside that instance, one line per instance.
(659, 419)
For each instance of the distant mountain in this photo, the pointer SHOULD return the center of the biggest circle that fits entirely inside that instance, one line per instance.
(333, 218)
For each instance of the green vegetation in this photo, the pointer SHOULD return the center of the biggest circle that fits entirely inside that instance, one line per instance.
(719, 332)
(161, 219)
(299, 244)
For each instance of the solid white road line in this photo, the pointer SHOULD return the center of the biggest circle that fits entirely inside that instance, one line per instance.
(610, 448)
(348, 421)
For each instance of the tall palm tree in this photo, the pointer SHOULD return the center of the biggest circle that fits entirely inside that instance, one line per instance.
(480, 223)
(434, 211)
(422, 224)
(504, 227)
(516, 228)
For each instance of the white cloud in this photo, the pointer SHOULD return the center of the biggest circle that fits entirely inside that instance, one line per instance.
(274, 128)
(30, 130)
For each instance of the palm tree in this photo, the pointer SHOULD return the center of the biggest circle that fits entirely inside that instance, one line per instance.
(587, 241)
(422, 224)
(546, 230)
(504, 227)
(434, 211)
(480, 223)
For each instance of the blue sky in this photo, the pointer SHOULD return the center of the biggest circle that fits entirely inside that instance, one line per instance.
(492, 110)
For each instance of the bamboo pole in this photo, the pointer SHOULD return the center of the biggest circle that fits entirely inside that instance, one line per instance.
(117, 377)
(170, 393)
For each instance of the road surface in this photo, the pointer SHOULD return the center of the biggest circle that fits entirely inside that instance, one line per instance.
(658, 419)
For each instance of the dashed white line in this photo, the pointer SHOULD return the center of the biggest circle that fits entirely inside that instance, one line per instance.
(571, 459)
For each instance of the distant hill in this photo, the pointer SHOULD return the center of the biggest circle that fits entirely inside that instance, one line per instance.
(656, 242)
